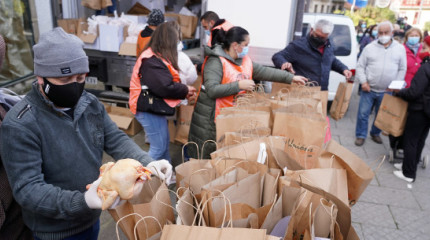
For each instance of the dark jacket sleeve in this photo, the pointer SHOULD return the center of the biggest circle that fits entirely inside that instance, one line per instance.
(338, 66)
(286, 55)
(419, 84)
(159, 80)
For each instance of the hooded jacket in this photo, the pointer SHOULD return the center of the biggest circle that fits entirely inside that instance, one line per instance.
(202, 126)
(50, 157)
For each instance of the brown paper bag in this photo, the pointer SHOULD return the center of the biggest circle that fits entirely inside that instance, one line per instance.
(329, 179)
(392, 115)
(96, 4)
(358, 173)
(324, 100)
(177, 232)
(245, 135)
(152, 201)
(69, 25)
(241, 120)
(305, 136)
(341, 100)
(194, 174)
(183, 123)
(188, 24)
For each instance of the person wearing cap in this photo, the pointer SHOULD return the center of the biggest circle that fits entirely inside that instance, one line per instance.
(53, 140)
(155, 18)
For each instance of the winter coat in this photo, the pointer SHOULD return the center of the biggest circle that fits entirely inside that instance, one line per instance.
(202, 124)
(308, 61)
(418, 94)
(413, 64)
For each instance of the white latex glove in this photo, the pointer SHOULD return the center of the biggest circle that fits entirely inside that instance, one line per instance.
(162, 169)
(94, 201)
(91, 198)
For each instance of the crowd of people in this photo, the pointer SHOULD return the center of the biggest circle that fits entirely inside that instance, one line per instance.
(388, 53)
(52, 142)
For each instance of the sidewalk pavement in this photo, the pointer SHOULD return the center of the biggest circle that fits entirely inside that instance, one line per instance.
(388, 209)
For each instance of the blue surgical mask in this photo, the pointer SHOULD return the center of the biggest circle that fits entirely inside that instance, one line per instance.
(243, 53)
(363, 25)
(413, 40)
(208, 32)
(374, 33)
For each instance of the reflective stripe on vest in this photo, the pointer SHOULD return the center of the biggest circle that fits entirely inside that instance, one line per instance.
(232, 73)
(224, 26)
(136, 86)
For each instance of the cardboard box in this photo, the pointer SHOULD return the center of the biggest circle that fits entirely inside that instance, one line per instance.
(69, 25)
(139, 9)
(188, 24)
(111, 37)
(124, 119)
(90, 41)
(136, 18)
(126, 48)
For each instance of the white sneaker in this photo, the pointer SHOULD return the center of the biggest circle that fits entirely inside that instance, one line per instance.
(398, 166)
(400, 175)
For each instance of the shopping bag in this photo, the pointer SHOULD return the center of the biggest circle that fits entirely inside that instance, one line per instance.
(183, 123)
(392, 114)
(341, 100)
(153, 200)
(244, 135)
(324, 100)
(331, 180)
(96, 4)
(358, 173)
(305, 136)
(238, 120)
(178, 232)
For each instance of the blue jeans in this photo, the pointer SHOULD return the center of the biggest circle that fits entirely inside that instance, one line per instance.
(368, 101)
(156, 129)
(91, 233)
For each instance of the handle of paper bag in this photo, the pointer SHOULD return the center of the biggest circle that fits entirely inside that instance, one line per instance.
(259, 88)
(300, 199)
(197, 171)
(122, 218)
(192, 195)
(163, 203)
(183, 150)
(380, 163)
(227, 202)
(146, 226)
(203, 146)
(312, 84)
(233, 167)
(332, 218)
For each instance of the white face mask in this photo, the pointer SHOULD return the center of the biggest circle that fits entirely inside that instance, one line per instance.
(384, 39)
(180, 46)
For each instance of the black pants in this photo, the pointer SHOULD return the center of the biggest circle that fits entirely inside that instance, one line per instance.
(416, 131)
(396, 142)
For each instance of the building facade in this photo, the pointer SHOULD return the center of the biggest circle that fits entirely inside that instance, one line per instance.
(416, 11)
(324, 6)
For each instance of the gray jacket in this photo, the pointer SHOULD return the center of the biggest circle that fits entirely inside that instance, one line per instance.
(50, 158)
(378, 65)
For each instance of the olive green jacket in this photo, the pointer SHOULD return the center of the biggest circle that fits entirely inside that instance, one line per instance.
(202, 124)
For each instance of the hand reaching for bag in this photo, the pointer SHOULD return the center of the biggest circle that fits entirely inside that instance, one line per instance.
(247, 85)
(162, 169)
(299, 80)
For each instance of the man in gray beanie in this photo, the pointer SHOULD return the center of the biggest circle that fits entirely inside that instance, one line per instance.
(155, 18)
(52, 144)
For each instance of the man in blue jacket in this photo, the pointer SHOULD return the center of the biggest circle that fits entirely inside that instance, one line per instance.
(52, 144)
(312, 56)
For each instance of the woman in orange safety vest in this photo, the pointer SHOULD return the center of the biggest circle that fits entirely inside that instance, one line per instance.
(228, 71)
(156, 72)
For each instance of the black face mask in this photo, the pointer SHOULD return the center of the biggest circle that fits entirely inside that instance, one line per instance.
(316, 42)
(65, 96)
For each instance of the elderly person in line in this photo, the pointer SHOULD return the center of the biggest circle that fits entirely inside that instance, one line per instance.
(381, 62)
(312, 56)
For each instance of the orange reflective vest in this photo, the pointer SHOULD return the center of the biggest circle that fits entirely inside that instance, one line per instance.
(232, 73)
(141, 44)
(224, 26)
(136, 86)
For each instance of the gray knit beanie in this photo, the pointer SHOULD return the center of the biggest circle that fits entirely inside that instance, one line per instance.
(59, 54)
(155, 18)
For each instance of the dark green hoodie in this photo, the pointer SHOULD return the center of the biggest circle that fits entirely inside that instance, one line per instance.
(202, 124)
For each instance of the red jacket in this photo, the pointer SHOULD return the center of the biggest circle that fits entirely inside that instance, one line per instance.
(413, 63)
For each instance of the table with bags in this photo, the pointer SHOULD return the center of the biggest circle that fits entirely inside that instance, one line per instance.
(276, 174)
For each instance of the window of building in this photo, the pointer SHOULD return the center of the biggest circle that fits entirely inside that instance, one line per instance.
(315, 8)
(322, 9)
